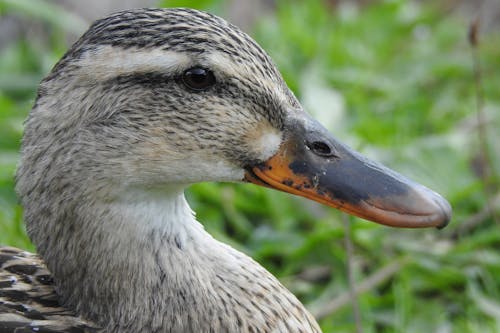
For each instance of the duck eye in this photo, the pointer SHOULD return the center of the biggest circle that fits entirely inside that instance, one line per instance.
(198, 78)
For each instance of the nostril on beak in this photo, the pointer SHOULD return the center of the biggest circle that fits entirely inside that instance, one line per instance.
(321, 148)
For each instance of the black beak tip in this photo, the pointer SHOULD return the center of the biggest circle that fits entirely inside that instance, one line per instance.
(445, 211)
(439, 208)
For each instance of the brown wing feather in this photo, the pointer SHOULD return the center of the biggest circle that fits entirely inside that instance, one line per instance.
(28, 301)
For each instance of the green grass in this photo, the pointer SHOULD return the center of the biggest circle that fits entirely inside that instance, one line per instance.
(394, 80)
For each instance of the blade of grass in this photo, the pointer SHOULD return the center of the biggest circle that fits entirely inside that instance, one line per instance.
(349, 269)
(323, 310)
(488, 174)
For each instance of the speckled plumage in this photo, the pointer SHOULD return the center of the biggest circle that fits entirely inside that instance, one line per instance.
(28, 302)
(113, 139)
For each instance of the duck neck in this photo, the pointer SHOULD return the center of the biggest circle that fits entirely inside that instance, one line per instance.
(123, 260)
(142, 263)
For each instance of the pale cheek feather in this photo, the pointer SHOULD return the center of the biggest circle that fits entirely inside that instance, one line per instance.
(268, 144)
(106, 62)
(264, 140)
(194, 170)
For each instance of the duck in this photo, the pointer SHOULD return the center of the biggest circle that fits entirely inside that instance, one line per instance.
(144, 104)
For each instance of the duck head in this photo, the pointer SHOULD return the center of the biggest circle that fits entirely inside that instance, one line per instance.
(158, 98)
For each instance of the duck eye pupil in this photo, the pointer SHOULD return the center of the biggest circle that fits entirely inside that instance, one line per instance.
(198, 78)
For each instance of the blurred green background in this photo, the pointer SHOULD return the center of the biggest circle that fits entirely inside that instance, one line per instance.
(393, 79)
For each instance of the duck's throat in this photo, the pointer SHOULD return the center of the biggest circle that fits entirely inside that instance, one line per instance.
(121, 263)
(143, 264)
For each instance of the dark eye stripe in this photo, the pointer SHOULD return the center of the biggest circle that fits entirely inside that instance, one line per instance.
(149, 79)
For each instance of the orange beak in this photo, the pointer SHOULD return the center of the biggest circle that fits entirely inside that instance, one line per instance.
(312, 164)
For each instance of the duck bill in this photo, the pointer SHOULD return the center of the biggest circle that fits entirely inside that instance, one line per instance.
(313, 164)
